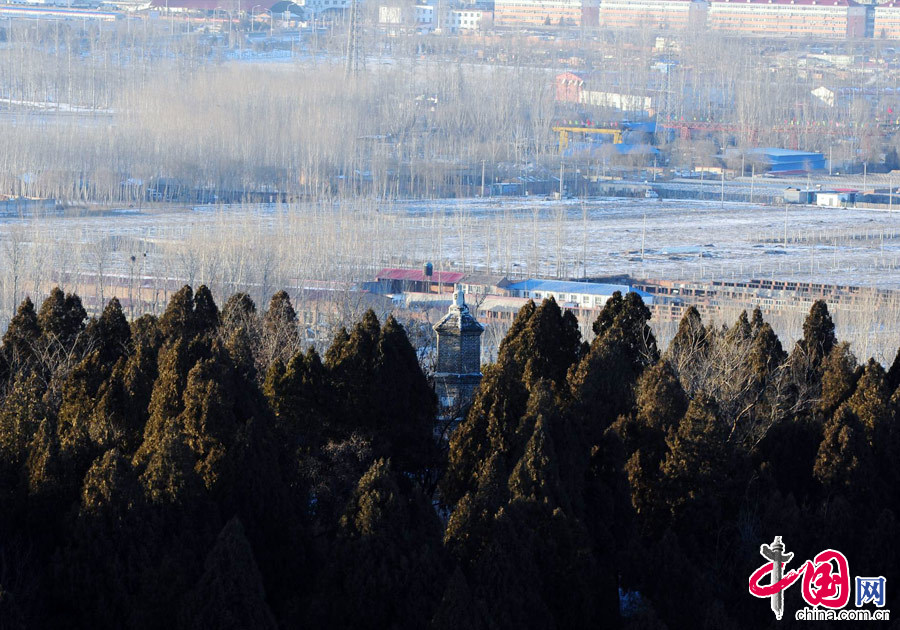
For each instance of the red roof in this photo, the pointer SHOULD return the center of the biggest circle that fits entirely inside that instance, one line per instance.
(823, 3)
(418, 275)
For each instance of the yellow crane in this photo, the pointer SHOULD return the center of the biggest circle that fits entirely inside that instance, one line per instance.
(564, 132)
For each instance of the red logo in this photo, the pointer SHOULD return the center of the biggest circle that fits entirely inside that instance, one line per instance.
(826, 578)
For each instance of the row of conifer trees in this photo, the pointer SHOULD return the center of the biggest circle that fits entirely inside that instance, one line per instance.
(201, 470)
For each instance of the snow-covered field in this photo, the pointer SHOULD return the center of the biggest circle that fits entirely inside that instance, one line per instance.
(661, 239)
(262, 248)
(669, 239)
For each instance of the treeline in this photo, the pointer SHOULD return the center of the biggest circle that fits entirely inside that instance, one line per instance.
(201, 470)
(99, 113)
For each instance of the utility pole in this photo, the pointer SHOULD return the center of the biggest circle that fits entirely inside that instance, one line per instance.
(353, 40)
(583, 241)
(723, 186)
(482, 179)
(560, 180)
(643, 234)
(752, 180)
(785, 225)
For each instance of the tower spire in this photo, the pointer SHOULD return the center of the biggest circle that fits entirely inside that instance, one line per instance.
(458, 370)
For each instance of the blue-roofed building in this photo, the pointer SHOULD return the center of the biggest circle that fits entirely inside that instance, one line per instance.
(784, 161)
(583, 294)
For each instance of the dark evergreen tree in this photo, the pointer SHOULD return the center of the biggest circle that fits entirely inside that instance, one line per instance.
(241, 333)
(697, 471)
(387, 569)
(101, 566)
(490, 427)
(206, 313)
(894, 373)
(299, 395)
(457, 608)
(549, 344)
(660, 399)
(238, 308)
(11, 617)
(742, 330)
(818, 332)
(230, 594)
(756, 320)
(602, 384)
(110, 334)
(280, 316)
(178, 318)
(337, 347)
(688, 346)
(62, 321)
(809, 353)
(280, 331)
(843, 462)
(661, 403)
(405, 403)
(20, 341)
(20, 416)
(209, 420)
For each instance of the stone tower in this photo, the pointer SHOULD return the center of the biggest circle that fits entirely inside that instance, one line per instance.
(458, 370)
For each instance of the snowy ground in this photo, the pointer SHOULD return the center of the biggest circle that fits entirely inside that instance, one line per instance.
(679, 239)
(672, 239)
(263, 248)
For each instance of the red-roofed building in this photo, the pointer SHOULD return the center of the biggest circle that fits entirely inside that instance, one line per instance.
(887, 20)
(416, 280)
(568, 87)
(828, 19)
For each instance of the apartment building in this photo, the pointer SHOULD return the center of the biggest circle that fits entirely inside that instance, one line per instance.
(887, 20)
(654, 14)
(545, 12)
(824, 19)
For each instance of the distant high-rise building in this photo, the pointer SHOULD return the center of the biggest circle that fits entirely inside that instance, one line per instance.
(887, 20)
(828, 19)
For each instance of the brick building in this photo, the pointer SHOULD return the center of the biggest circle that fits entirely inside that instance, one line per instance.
(823, 19)
(545, 12)
(654, 14)
(887, 20)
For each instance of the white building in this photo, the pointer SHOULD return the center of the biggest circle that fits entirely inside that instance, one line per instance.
(320, 6)
(467, 20)
(833, 199)
(425, 16)
(390, 15)
(619, 101)
(582, 294)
